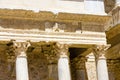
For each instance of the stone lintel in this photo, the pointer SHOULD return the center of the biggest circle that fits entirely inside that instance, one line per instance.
(85, 38)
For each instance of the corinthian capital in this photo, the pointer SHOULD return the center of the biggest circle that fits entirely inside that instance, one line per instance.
(99, 50)
(20, 48)
(62, 49)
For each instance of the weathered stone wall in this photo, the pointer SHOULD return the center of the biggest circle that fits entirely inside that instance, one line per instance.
(6, 68)
(37, 65)
(78, 69)
(114, 69)
(91, 70)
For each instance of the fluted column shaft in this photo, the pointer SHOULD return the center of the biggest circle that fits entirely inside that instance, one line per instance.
(102, 71)
(21, 60)
(63, 63)
(101, 65)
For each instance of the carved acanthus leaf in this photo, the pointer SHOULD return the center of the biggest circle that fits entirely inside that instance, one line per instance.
(99, 50)
(20, 48)
(62, 49)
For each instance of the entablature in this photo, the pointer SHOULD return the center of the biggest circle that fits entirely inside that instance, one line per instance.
(84, 38)
(44, 20)
(67, 28)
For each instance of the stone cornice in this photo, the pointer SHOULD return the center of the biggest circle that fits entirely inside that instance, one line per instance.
(25, 14)
(83, 17)
(44, 15)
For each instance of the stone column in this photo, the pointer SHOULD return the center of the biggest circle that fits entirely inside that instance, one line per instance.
(80, 68)
(20, 49)
(101, 65)
(63, 63)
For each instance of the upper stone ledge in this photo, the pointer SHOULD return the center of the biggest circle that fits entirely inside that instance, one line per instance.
(46, 15)
(83, 17)
(26, 14)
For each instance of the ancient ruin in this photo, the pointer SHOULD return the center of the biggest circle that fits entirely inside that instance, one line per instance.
(60, 40)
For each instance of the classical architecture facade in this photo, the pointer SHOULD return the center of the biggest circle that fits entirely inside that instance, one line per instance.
(60, 40)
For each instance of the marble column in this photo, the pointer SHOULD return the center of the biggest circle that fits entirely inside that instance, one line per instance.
(101, 65)
(20, 49)
(63, 63)
(80, 68)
